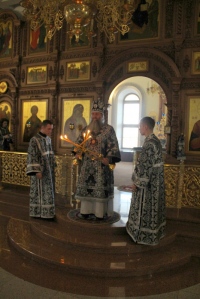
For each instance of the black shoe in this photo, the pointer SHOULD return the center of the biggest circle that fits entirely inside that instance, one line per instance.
(85, 216)
(97, 218)
(49, 219)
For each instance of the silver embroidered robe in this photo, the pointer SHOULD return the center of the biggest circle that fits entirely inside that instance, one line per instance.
(95, 188)
(146, 220)
(41, 159)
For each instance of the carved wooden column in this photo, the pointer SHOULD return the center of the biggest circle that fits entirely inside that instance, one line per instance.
(175, 121)
(101, 94)
(53, 117)
(180, 184)
(14, 118)
(1, 187)
(169, 123)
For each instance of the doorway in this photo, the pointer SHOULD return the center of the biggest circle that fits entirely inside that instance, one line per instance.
(130, 100)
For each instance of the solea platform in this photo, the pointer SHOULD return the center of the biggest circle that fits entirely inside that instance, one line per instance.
(97, 258)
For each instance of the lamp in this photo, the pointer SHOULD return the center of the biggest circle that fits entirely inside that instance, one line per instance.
(111, 16)
(78, 16)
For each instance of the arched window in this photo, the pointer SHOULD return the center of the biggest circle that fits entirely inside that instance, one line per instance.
(131, 117)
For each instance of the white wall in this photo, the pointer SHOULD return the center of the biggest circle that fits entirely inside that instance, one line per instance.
(149, 107)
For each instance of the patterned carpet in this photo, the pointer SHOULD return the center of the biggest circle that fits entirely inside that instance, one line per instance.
(125, 188)
(75, 215)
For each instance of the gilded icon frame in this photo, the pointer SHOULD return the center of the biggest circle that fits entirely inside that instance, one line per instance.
(68, 124)
(196, 63)
(6, 111)
(78, 70)
(6, 28)
(138, 66)
(145, 27)
(37, 74)
(37, 40)
(42, 113)
(197, 23)
(192, 117)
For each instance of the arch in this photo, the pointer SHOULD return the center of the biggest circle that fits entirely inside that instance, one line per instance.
(15, 16)
(161, 68)
(10, 98)
(151, 103)
(10, 79)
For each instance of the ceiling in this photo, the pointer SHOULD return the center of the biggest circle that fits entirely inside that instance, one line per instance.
(12, 5)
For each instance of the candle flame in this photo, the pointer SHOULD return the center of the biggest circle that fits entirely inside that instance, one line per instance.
(81, 148)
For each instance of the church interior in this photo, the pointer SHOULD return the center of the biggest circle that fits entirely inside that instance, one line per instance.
(53, 67)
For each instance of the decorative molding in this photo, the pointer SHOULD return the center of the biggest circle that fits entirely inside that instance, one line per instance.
(168, 49)
(25, 42)
(99, 90)
(171, 183)
(153, 57)
(64, 38)
(189, 7)
(116, 76)
(159, 73)
(190, 84)
(23, 75)
(186, 63)
(94, 69)
(61, 72)
(77, 89)
(189, 44)
(3, 87)
(191, 183)
(169, 19)
(179, 17)
(10, 63)
(51, 44)
(83, 54)
(9, 78)
(35, 92)
(51, 72)
(39, 59)
(8, 14)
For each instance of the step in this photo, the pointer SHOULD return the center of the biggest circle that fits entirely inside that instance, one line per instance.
(104, 264)
(87, 236)
(50, 276)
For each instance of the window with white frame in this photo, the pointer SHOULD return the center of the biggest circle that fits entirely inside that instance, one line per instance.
(131, 117)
